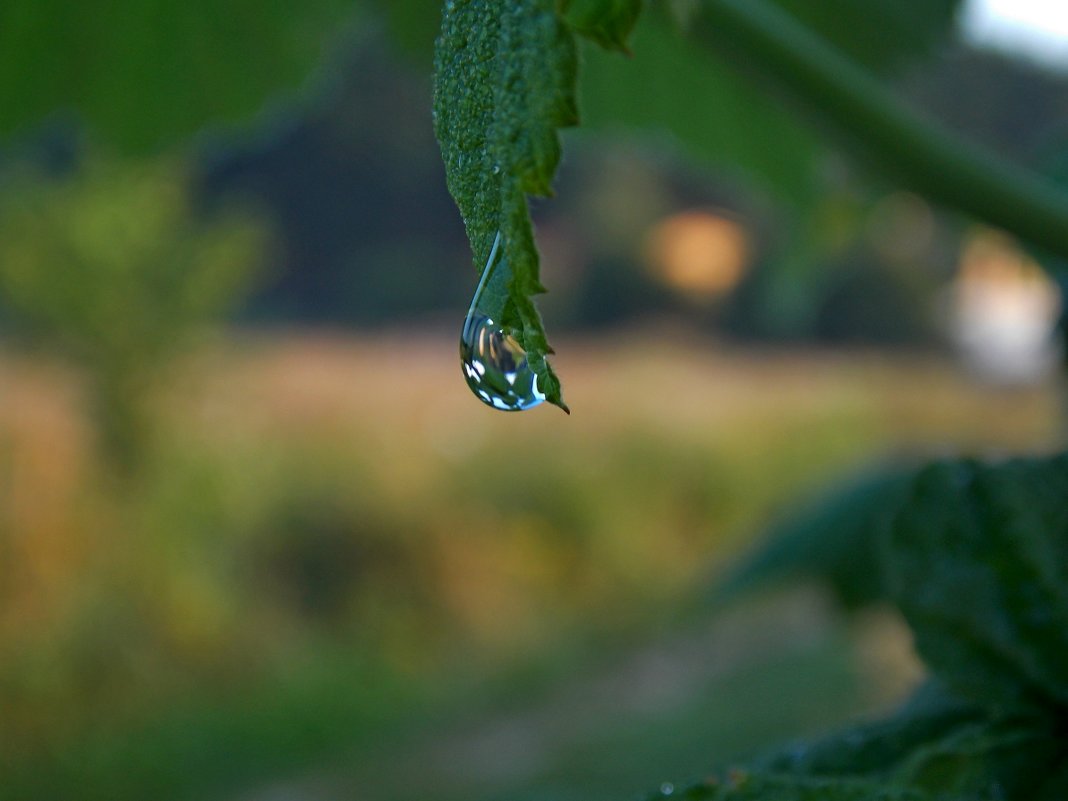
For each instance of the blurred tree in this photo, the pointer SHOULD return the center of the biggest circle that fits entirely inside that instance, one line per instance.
(347, 176)
(113, 270)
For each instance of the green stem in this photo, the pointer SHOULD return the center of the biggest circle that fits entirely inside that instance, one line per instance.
(909, 148)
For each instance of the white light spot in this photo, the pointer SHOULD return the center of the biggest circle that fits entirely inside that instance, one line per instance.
(1034, 28)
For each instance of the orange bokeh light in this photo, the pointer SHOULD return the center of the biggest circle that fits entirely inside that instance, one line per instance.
(699, 253)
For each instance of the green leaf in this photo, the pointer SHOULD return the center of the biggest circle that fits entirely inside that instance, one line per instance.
(148, 73)
(504, 82)
(835, 538)
(607, 22)
(978, 563)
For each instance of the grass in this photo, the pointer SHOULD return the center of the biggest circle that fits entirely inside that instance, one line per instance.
(670, 710)
(332, 540)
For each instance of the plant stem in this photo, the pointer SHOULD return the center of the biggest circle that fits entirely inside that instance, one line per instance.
(909, 147)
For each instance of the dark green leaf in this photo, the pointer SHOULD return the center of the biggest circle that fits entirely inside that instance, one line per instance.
(745, 786)
(1011, 754)
(607, 22)
(1054, 786)
(881, 747)
(978, 562)
(504, 82)
(836, 538)
(936, 745)
(147, 73)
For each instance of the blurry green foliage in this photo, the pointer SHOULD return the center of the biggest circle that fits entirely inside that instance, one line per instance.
(414, 25)
(880, 34)
(147, 75)
(731, 127)
(706, 99)
(113, 269)
(607, 22)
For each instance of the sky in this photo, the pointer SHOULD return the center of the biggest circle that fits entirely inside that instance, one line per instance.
(1037, 28)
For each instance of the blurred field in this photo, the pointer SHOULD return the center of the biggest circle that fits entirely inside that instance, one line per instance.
(330, 539)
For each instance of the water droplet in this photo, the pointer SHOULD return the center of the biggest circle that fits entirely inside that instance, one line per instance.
(496, 169)
(667, 788)
(494, 363)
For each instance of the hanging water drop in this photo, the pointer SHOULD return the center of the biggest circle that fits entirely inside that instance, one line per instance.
(494, 363)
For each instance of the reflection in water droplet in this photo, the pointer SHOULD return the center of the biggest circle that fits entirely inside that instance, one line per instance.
(494, 363)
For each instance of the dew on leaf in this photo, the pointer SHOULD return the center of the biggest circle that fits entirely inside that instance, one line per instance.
(494, 363)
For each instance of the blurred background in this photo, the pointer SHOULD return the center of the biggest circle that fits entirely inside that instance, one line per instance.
(257, 539)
